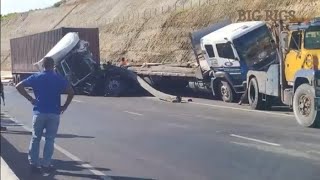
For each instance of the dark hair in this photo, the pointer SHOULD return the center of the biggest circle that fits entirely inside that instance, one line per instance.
(48, 63)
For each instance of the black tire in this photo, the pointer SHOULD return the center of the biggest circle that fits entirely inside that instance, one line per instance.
(303, 106)
(225, 92)
(18, 78)
(114, 86)
(254, 97)
(15, 79)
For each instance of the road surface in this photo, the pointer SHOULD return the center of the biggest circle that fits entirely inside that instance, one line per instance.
(135, 138)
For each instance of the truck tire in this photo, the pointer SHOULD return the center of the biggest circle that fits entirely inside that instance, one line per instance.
(14, 79)
(304, 106)
(225, 92)
(114, 86)
(18, 78)
(254, 97)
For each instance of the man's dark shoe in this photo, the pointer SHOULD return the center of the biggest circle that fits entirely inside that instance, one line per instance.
(35, 169)
(48, 169)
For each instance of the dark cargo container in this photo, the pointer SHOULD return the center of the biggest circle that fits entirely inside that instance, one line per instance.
(27, 50)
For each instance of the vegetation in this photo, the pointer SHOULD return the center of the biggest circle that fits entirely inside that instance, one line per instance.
(3, 17)
(58, 4)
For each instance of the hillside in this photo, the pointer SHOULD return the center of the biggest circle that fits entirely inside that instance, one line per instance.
(141, 30)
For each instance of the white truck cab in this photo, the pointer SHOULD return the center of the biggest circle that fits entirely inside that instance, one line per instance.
(226, 51)
(216, 46)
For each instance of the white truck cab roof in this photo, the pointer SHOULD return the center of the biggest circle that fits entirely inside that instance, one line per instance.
(231, 32)
(61, 49)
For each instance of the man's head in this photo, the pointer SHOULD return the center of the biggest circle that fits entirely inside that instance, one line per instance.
(123, 59)
(48, 63)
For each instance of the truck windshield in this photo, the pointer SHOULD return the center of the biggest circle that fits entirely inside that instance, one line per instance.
(255, 48)
(312, 38)
(80, 65)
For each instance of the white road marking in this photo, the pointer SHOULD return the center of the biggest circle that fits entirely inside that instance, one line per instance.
(255, 140)
(280, 150)
(77, 101)
(241, 109)
(134, 113)
(73, 157)
(315, 152)
(177, 125)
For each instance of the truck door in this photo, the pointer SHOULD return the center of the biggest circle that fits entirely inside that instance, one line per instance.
(211, 58)
(293, 61)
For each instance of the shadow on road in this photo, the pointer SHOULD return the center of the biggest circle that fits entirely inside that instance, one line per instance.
(7, 122)
(65, 169)
(58, 136)
(127, 178)
(18, 162)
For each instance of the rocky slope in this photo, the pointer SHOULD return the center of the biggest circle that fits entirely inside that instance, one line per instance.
(141, 30)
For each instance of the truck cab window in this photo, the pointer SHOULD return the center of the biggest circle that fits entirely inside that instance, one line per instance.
(295, 42)
(312, 38)
(225, 51)
(209, 50)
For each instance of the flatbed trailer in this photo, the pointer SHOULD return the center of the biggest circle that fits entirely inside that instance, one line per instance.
(223, 54)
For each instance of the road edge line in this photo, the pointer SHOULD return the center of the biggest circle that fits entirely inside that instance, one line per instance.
(6, 172)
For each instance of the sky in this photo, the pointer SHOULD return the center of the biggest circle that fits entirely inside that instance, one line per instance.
(11, 6)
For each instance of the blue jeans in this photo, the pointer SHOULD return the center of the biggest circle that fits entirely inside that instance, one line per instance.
(49, 123)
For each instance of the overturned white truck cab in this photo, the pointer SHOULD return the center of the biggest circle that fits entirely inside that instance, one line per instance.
(75, 62)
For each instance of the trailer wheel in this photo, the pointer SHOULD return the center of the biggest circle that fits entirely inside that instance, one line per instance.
(18, 78)
(225, 92)
(254, 97)
(114, 86)
(304, 106)
(14, 79)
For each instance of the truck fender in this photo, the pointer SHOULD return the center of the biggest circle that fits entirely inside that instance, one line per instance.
(218, 76)
(303, 76)
(261, 77)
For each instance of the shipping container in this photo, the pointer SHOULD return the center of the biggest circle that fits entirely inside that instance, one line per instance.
(27, 50)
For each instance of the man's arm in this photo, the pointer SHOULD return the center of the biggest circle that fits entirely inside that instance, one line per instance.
(21, 89)
(70, 95)
(2, 94)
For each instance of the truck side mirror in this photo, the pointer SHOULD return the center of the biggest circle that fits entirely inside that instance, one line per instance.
(283, 39)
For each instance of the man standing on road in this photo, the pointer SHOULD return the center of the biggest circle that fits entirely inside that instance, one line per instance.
(47, 87)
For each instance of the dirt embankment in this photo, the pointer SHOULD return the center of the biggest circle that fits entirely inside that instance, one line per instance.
(141, 30)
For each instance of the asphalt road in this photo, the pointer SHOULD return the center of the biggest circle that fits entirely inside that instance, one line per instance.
(135, 138)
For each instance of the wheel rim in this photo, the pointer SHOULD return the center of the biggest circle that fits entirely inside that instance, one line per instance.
(252, 93)
(225, 92)
(113, 85)
(304, 105)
